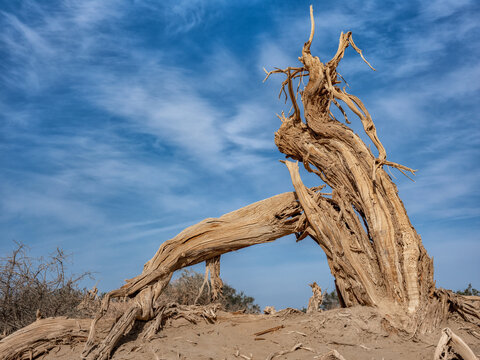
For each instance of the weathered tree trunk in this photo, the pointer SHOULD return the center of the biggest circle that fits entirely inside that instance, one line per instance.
(386, 264)
(383, 262)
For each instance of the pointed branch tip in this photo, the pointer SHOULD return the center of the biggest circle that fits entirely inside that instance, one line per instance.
(312, 28)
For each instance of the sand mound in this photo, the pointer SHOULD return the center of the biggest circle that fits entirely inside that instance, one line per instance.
(356, 333)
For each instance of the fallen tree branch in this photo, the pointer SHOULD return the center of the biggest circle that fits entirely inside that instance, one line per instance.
(41, 336)
(261, 222)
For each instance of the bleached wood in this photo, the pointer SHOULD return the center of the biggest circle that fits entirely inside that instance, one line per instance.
(451, 346)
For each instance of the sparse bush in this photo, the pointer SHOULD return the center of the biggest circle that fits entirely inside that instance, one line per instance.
(330, 300)
(185, 289)
(469, 291)
(28, 284)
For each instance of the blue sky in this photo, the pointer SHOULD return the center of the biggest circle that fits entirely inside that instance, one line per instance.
(122, 122)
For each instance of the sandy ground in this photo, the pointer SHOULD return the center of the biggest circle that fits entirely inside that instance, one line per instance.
(356, 333)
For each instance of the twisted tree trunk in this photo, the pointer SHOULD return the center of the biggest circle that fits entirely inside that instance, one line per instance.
(383, 262)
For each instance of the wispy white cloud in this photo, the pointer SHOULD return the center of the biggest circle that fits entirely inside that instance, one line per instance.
(437, 9)
(446, 188)
(81, 172)
(182, 16)
(245, 128)
(166, 112)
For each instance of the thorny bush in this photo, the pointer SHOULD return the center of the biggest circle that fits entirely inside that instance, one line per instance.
(28, 284)
(184, 290)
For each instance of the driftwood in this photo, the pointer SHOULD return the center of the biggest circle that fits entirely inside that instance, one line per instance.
(332, 355)
(373, 251)
(284, 352)
(42, 336)
(451, 346)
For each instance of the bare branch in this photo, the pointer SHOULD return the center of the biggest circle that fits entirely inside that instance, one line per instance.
(312, 30)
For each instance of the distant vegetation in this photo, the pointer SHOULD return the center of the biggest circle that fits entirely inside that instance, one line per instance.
(185, 289)
(469, 291)
(330, 300)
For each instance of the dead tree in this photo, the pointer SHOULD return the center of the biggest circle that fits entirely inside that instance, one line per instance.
(382, 263)
(373, 251)
(316, 299)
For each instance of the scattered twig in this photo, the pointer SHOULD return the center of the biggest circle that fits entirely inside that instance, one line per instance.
(341, 343)
(263, 332)
(237, 354)
(296, 332)
(471, 332)
(284, 352)
(332, 355)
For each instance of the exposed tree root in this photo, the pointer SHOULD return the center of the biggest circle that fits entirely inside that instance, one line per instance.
(174, 311)
(122, 327)
(212, 270)
(165, 312)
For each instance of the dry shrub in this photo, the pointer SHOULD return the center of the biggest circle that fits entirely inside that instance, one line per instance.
(330, 300)
(185, 289)
(28, 284)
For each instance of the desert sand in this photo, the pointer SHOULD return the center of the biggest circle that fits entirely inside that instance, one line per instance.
(357, 333)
